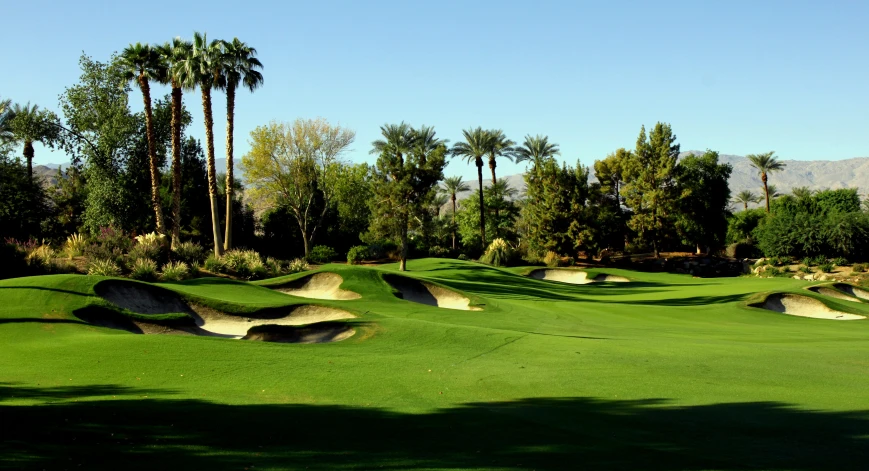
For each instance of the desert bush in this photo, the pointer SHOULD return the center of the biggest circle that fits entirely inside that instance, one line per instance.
(840, 261)
(104, 267)
(322, 254)
(552, 259)
(381, 249)
(818, 259)
(773, 271)
(498, 254)
(826, 267)
(175, 271)
(741, 250)
(213, 264)
(144, 269)
(804, 269)
(859, 267)
(463, 257)
(75, 245)
(189, 252)
(357, 254)
(439, 252)
(274, 266)
(298, 265)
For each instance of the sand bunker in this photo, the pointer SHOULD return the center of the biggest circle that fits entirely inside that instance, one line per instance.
(827, 291)
(319, 286)
(427, 293)
(232, 326)
(804, 306)
(318, 333)
(853, 290)
(575, 277)
(145, 299)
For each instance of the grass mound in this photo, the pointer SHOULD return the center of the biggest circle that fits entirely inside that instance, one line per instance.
(833, 293)
(324, 285)
(141, 298)
(804, 306)
(430, 294)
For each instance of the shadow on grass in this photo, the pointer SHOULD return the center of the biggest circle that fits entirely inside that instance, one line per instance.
(132, 432)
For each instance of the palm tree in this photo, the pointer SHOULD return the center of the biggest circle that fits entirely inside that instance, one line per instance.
(27, 124)
(202, 68)
(499, 146)
(452, 186)
(142, 63)
(765, 164)
(173, 54)
(238, 67)
(536, 149)
(424, 141)
(475, 146)
(398, 138)
(499, 192)
(745, 197)
(802, 192)
(773, 192)
(6, 115)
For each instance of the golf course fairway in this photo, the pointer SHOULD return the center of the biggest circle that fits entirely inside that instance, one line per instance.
(662, 372)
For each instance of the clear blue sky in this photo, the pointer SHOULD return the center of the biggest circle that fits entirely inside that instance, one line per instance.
(737, 77)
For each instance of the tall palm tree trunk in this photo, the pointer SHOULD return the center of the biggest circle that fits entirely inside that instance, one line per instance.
(176, 166)
(230, 118)
(745, 205)
(482, 204)
(28, 156)
(765, 190)
(152, 155)
(453, 198)
(212, 172)
(492, 165)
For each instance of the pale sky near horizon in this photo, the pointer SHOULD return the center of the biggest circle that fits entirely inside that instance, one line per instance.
(738, 77)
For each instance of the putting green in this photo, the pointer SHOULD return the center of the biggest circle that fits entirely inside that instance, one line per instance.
(662, 372)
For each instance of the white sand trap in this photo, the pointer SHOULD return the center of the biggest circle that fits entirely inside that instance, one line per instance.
(827, 291)
(307, 334)
(319, 286)
(804, 306)
(575, 277)
(853, 290)
(426, 293)
(141, 298)
(229, 326)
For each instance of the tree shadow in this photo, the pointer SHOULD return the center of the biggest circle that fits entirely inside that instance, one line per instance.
(538, 433)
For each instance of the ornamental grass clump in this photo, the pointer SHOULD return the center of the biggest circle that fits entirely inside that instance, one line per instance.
(144, 269)
(175, 271)
(498, 254)
(552, 259)
(104, 267)
(188, 252)
(75, 245)
(298, 265)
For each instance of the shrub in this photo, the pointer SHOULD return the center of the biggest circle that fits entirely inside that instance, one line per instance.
(144, 269)
(298, 265)
(175, 271)
(12, 261)
(463, 257)
(357, 254)
(322, 254)
(569, 262)
(859, 268)
(213, 264)
(274, 266)
(75, 245)
(113, 240)
(818, 259)
(773, 271)
(41, 256)
(439, 252)
(381, 249)
(498, 253)
(104, 268)
(826, 267)
(189, 252)
(807, 261)
(552, 259)
(740, 250)
(840, 261)
(804, 269)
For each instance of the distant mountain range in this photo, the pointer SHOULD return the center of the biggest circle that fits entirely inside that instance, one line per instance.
(814, 174)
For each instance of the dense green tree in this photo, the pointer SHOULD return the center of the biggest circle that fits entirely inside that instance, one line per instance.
(765, 164)
(29, 124)
(476, 146)
(23, 203)
(650, 189)
(741, 225)
(555, 207)
(703, 199)
(142, 63)
(238, 66)
(844, 200)
(404, 181)
(502, 225)
(451, 187)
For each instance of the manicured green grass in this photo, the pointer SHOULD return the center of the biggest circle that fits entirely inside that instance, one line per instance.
(665, 372)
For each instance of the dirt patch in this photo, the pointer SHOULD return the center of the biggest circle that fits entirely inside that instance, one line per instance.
(833, 293)
(319, 286)
(804, 306)
(317, 333)
(232, 326)
(575, 277)
(430, 294)
(141, 298)
(853, 290)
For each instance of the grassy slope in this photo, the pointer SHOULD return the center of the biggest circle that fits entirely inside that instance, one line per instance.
(674, 369)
